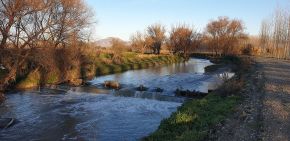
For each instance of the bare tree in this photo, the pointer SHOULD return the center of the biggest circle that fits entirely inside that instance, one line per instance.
(265, 36)
(138, 42)
(274, 34)
(183, 39)
(20, 29)
(28, 25)
(70, 16)
(224, 34)
(156, 34)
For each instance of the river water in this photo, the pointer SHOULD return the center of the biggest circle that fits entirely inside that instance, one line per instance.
(97, 114)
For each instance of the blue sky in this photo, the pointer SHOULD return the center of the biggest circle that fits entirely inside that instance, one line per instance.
(121, 18)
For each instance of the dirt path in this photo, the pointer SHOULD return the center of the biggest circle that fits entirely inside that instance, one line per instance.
(276, 103)
(265, 112)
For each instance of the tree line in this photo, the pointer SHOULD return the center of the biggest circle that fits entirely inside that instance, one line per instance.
(222, 36)
(275, 34)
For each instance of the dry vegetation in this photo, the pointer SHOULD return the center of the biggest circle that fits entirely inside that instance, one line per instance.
(224, 35)
(275, 35)
(41, 35)
(183, 40)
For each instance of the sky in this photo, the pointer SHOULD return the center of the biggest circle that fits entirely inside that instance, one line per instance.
(122, 18)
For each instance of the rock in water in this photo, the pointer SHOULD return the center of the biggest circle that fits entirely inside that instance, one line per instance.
(112, 84)
(142, 88)
(160, 90)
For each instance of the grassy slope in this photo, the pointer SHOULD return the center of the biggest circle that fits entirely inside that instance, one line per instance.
(194, 119)
(102, 65)
(131, 61)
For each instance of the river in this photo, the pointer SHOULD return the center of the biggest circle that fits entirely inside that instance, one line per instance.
(94, 113)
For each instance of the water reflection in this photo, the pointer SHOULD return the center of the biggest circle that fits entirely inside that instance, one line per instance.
(189, 75)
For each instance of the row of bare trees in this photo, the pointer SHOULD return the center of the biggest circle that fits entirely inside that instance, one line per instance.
(182, 39)
(222, 36)
(28, 26)
(275, 34)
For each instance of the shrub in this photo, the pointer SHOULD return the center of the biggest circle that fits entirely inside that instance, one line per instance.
(230, 87)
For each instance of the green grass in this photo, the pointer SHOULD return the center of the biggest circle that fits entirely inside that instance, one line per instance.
(30, 81)
(106, 55)
(52, 78)
(194, 118)
(130, 61)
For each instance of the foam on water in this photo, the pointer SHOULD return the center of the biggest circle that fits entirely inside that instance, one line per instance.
(113, 118)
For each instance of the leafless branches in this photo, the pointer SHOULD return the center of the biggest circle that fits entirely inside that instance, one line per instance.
(275, 34)
(224, 35)
(156, 33)
(183, 39)
(28, 25)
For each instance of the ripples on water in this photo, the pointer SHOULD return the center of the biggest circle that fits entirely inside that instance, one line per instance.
(78, 116)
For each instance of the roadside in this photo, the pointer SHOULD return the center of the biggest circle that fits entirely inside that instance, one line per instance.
(245, 122)
(276, 110)
(264, 114)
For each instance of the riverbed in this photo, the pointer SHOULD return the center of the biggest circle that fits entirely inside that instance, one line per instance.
(96, 113)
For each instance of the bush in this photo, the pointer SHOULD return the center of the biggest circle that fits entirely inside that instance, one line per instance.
(231, 87)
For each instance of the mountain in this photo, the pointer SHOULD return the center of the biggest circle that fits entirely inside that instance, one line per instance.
(107, 42)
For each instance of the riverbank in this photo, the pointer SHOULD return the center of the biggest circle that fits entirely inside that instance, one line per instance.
(102, 65)
(195, 119)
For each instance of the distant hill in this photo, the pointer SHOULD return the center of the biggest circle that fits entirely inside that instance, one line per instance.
(107, 42)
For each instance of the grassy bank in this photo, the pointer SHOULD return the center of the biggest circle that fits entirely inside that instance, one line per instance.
(131, 61)
(195, 118)
(97, 65)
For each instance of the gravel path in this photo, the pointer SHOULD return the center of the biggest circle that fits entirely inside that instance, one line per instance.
(265, 113)
(276, 103)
